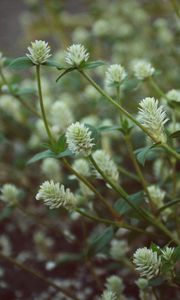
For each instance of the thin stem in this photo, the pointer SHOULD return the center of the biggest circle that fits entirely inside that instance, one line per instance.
(127, 114)
(37, 275)
(42, 105)
(138, 169)
(18, 97)
(92, 188)
(169, 204)
(127, 173)
(157, 88)
(176, 8)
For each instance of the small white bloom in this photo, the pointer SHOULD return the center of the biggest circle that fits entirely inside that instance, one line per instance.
(167, 253)
(51, 168)
(82, 167)
(142, 69)
(118, 249)
(174, 95)
(115, 284)
(115, 74)
(79, 139)
(157, 195)
(106, 164)
(76, 55)
(9, 194)
(108, 295)
(55, 195)
(153, 118)
(147, 262)
(61, 116)
(39, 52)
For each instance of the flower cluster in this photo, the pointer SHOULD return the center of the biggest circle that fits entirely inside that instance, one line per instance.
(39, 52)
(108, 295)
(79, 139)
(153, 118)
(55, 195)
(76, 55)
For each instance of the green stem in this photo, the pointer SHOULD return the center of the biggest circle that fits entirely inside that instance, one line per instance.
(37, 275)
(157, 88)
(127, 173)
(127, 114)
(169, 204)
(21, 100)
(42, 105)
(138, 169)
(93, 189)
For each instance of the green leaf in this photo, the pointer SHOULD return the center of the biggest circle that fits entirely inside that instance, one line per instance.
(6, 212)
(60, 146)
(156, 281)
(108, 128)
(51, 63)
(144, 153)
(41, 155)
(65, 153)
(155, 248)
(100, 241)
(21, 63)
(130, 84)
(175, 134)
(122, 207)
(93, 64)
(176, 254)
(25, 91)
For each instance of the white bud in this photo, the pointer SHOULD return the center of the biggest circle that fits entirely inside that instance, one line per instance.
(9, 194)
(118, 249)
(174, 95)
(55, 195)
(39, 52)
(76, 55)
(157, 195)
(153, 118)
(79, 139)
(147, 262)
(108, 295)
(114, 75)
(143, 69)
(61, 116)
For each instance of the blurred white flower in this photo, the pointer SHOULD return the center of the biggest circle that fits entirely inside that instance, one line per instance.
(51, 168)
(115, 74)
(157, 195)
(9, 194)
(167, 253)
(142, 69)
(61, 116)
(173, 95)
(119, 249)
(108, 295)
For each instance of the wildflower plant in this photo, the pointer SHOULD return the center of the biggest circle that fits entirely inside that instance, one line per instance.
(113, 150)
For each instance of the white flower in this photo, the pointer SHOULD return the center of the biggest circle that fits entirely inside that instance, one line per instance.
(147, 262)
(79, 139)
(55, 195)
(51, 168)
(11, 107)
(115, 74)
(106, 164)
(142, 69)
(167, 253)
(39, 52)
(76, 54)
(61, 116)
(9, 194)
(108, 295)
(118, 249)
(82, 167)
(153, 118)
(174, 95)
(157, 195)
(115, 284)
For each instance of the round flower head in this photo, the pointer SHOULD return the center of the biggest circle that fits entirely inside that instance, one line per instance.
(115, 284)
(76, 55)
(153, 118)
(9, 194)
(108, 295)
(157, 195)
(115, 74)
(143, 69)
(39, 52)
(174, 95)
(147, 262)
(106, 164)
(82, 167)
(61, 116)
(119, 249)
(79, 139)
(55, 195)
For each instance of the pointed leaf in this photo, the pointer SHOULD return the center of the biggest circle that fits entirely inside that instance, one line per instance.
(21, 63)
(100, 241)
(41, 155)
(93, 64)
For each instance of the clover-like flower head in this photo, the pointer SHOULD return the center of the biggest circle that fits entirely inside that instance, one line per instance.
(76, 54)
(39, 52)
